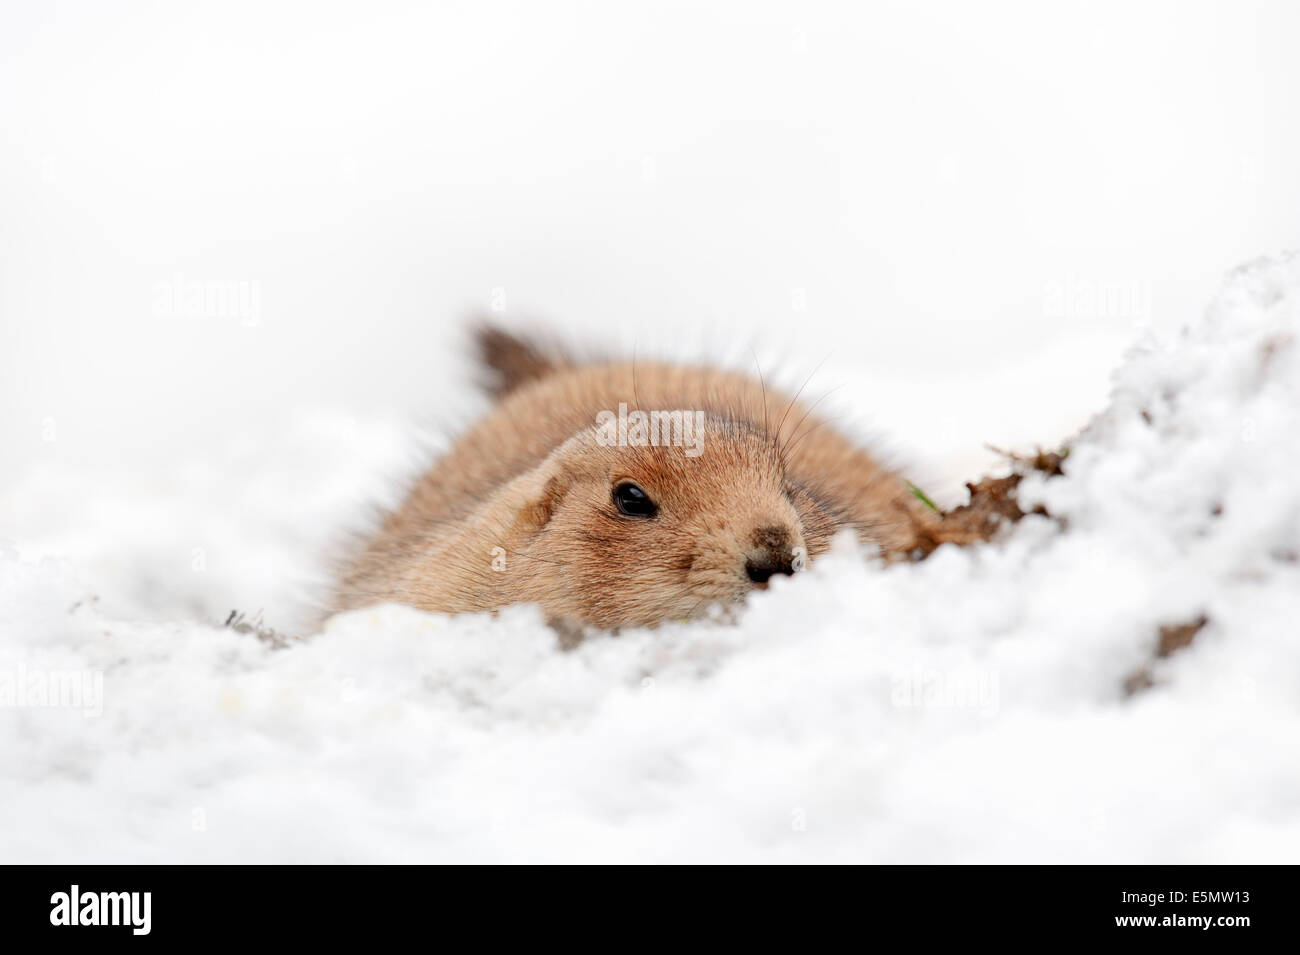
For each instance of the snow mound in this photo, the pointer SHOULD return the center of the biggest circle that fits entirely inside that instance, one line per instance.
(970, 708)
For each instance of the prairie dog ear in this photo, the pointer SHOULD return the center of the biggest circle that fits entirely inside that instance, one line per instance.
(537, 495)
(539, 506)
(534, 497)
(510, 360)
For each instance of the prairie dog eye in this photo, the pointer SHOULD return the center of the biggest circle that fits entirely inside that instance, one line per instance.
(632, 501)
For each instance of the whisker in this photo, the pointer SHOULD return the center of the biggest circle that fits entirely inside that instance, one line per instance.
(636, 395)
(799, 392)
(520, 553)
(690, 614)
(785, 449)
(762, 385)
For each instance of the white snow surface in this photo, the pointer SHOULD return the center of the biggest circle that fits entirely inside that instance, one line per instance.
(969, 708)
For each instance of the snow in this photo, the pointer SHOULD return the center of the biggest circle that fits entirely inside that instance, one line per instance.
(966, 709)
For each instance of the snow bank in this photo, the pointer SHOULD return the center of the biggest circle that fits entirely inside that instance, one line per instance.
(969, 708)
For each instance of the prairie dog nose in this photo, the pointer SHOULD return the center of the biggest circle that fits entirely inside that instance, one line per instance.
(773, 552)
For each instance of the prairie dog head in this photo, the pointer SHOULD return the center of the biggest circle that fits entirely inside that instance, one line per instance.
(629, 533)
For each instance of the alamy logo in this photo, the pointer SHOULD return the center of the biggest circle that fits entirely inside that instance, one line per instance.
(1082, 298)
(191, 298)
(968, 687)
(70, 689)
(638, 429)
(102, 908)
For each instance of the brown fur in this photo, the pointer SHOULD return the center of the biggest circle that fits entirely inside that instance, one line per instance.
(520, 510)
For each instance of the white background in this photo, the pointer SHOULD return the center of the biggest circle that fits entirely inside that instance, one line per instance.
(678, 178)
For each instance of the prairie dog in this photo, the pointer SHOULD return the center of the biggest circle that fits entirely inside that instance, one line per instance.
(580, 491)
